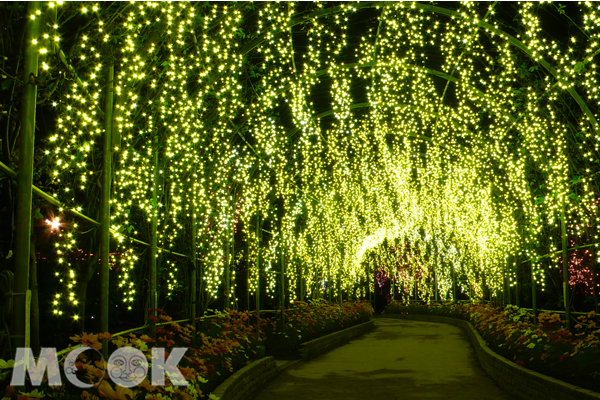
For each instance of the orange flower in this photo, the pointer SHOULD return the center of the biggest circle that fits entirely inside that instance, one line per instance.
(91, 340)
(75, 338)
(86, 396)
(147, 339)
(165, 318)
(184, 395)
(119, 341)
(122, 393)
(146, 385)
(169, 342)
(188, 373)
(105, 335)
(94, 372)
(101, 364)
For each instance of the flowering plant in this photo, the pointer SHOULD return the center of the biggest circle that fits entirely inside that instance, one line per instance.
(223, 343)
(305, 321)
(545, 346)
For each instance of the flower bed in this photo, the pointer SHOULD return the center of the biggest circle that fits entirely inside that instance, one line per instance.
(222, 345)
(546, 346)
(308, 321)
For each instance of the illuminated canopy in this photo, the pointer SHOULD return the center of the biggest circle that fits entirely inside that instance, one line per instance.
(327, 132)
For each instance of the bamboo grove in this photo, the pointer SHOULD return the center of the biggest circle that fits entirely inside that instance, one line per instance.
(311, 147)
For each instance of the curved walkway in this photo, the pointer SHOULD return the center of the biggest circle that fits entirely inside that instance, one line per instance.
(398, 360)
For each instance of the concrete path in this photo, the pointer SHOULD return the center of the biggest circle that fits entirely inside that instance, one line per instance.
(398, 360)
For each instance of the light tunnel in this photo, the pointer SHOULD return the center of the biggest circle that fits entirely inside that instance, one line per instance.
(294, 149)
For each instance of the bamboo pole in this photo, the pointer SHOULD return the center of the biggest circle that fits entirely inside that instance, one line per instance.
(343, 254)
(21, 293)
(509, 292)
(232, 257)
(282, 281)
(152, 294)
(435, 285)
(35, 303)
(339, 285)
(329, 281)
(282, 290)
(517, 290)
(105, 202)
(368, 282)
(470, 290)
(563, 226)
(415, 288)
(258, 261)
(453, 282)
(302, 283)
(533, 294)
(505, 287)
(226, 267)
(194, 274)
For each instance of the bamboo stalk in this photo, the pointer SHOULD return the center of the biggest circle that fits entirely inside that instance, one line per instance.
(258, 259)
(282, 289)
(435, 285)
(105, 203)
(226, 268)
(35, 304)
(563, 226)
(517, 290)
(595, 283)
(533, 294)
(282, 281)
(509, 291)
(194, 277)
(25, 180)
(152, 294)
(453, 282)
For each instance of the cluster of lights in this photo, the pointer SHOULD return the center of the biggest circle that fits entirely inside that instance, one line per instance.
(448, 170)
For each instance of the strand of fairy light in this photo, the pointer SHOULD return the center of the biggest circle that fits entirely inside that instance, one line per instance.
(455, 176)
(72, 145)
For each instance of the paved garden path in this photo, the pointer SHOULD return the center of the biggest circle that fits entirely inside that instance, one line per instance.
(398, 360)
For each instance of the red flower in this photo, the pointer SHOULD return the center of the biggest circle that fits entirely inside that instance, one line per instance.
(521, 363)
(169, 342)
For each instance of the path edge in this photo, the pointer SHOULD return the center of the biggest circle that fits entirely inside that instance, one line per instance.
(518, 381)
(246, 382)
(321, 345)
